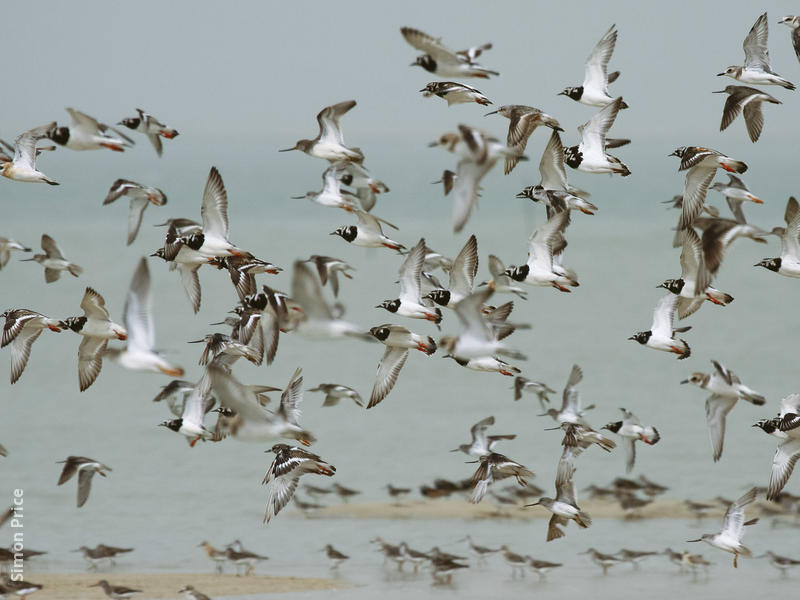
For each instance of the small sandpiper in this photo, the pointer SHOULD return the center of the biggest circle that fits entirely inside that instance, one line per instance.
(634, 556)
(102, 552)
(192, 594)
(396, 492)
(116, 592)
(517, 562)
(480, 552)
(605, 561)
(542, 567)
(390, 552)
(19, 587)
(336, 557)
(782, 563)
(243, 558)
(218, 556)
(343, 492)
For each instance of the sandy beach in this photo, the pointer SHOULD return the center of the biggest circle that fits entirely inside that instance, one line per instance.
(59, 586)
(462, 509)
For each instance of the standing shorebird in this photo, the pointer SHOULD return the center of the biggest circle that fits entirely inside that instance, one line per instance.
(18, 587)
(102, 552)
(218, 556)
(336, 557)
(480, 552)
(782, 563)
(605, 561)
(115, 592)
(85, 468)
(192, 594)
(730, 538)
(516, 561)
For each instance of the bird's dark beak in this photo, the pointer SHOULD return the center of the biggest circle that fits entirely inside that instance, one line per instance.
(296, 197)
(196, 342)
(661, 285)
(719, 92)
(413, 64)
(561, 93)
(685, 381)
(549, 428)
(494, 112)
(471, 462)
(534, 504)
(718, 75)
(220, 323)
(288, 149)
(700, 540)
(632, 338)
(433, 144)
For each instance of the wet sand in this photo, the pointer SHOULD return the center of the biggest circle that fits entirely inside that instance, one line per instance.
(166, 585)
(463, 509)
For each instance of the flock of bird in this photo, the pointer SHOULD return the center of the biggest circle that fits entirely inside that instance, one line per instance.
(262, 315)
